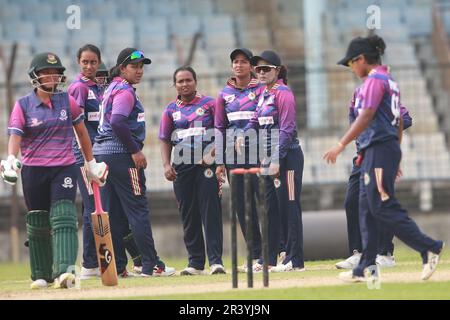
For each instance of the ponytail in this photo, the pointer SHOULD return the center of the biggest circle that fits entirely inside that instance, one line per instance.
(379, 47)
(283, 74)
(114, 72)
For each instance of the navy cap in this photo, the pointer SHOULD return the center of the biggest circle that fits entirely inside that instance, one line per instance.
(357, 47)
(125, 57)
(247, 53)
(269, 56)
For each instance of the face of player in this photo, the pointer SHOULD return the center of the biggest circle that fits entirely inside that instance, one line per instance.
(266, 72)
(359, 66)
(133, 72)
(89, 63)
(49, 79)
(185, 84)
(241, 66)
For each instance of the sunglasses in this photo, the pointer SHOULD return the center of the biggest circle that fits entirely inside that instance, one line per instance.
(134, 55)
(266, 68)
(352, 61)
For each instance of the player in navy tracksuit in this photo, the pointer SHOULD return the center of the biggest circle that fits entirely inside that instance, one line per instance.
(235, 106)
(187, 125)
(283, 159)
(385, 256)
(378, 130)
(119, 143)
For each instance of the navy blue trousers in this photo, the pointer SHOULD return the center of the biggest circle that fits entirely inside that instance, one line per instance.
(284, 212)
(89, 253)
(378, 205)
(197, 191)
(44, 185)
(385, 244)
(124, 198)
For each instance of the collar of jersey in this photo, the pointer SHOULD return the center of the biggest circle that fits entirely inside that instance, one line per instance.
(232, 83)
(181, 103)
(86, 80)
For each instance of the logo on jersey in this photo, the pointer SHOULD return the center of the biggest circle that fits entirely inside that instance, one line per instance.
(200, 112)
(208, 173)
(93, 116)
(230, 98)
(63, 115)
(366, 179)
(276, 183)
(67, 183)
(51, 59)
(35, 122)
(251, 96)
(141, 117)
(176, 116)
(91, 95)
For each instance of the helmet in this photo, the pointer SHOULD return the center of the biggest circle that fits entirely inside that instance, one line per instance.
(42, 61)
(101, 77)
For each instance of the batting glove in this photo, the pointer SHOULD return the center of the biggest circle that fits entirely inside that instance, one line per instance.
(9, 169)
(97, 172)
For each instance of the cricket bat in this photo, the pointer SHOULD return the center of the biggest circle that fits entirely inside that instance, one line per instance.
(103, 241)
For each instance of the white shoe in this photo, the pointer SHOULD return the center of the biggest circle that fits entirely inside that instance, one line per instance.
(348, 276)
(65, 281)
(350, 262)
(385, 261)
(281, 257)
(137, 269)
(160, 272)
(189, 271)
(432, 262)
(217, 269)
(127, 274)
(243, 268)
(39, 284)
(87, 273)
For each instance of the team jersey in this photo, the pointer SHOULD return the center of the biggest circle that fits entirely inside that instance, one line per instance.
(234, 108)
(381, 92)
(189, 125)
(46, 130)
(353, 113)
(276, 110)
(88, 96)
(119, 99)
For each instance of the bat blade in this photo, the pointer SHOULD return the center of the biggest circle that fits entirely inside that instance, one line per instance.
(103, 241)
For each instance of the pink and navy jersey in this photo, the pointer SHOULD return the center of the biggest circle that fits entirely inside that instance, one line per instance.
(88, 96)
(276, 109)
(234, 108)
(46, 130)
(381, 92)
(119, 99)
(353, 113)
(188, 124)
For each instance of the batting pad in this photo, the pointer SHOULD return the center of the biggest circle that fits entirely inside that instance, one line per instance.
(130, 245)
(40, 245)
(63, 220)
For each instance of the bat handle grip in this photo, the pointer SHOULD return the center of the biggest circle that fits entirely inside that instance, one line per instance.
(97, 198)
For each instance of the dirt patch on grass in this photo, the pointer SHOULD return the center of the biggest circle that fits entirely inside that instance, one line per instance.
(300, 280)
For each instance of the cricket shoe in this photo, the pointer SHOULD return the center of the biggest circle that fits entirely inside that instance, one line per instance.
(286, 268)
(281, 257)
(259, 267)
(348, 276)
(127, 274)
(39, 284)
(137, 269)
(65, 281)
(217, 269)
(243, 268)
(189, 271)
(89, 273)
(163, 272)
(431, 263)
(387, 261)
(350, 262)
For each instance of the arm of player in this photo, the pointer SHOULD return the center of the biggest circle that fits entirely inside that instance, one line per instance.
(166, 151)
(360, 124)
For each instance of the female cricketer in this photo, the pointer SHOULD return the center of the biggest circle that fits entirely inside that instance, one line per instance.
(187, 125)
(235, 106)
(41, 127)
(275, 117)
(378, 129)
(119, 143)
